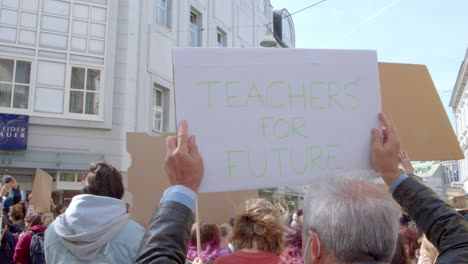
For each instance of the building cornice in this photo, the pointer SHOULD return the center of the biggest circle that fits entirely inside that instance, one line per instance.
(460, 83)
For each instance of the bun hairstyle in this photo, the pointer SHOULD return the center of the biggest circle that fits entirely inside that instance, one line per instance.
(33, 220)
(260, 226)
(103, 179)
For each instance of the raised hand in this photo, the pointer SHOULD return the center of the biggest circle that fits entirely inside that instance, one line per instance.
(184, 163)
(385, 151)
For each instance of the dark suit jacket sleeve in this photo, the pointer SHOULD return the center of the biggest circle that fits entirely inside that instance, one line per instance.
(166, 240)
(443, 226)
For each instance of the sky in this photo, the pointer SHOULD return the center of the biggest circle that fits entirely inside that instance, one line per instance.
(430, 32)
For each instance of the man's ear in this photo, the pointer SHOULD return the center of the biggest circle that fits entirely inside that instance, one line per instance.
(315, 250)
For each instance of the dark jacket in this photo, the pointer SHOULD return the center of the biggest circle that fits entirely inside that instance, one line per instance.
(166, 240)
(443, 226)
(7, 248)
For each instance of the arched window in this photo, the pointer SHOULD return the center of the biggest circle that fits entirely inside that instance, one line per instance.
(287, 30)
(284, 28)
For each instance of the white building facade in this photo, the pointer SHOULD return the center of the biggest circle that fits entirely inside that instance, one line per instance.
(459, 104)
(86, 72)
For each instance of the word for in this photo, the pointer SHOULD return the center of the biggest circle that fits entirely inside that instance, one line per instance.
(283, 161)
(305, 95)
(281, 128)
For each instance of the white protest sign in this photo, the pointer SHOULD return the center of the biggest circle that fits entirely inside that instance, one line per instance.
(276, 117)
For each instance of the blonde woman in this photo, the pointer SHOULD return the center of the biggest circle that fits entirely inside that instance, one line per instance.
(258, 235)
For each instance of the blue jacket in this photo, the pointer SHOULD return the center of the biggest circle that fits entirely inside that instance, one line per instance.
(9, 201)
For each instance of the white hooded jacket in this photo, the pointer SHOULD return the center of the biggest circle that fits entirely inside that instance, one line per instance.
(94, 229)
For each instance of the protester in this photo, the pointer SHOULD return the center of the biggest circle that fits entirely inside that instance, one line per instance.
(349, 219)
(47, 219)
(59, 209)
(33, 226)
(30, 210)
(16, 217)
(258, 234)
(409, 239)
(7, 244)
(293, 249)
(446, 229)
(166, 239)
(210, 240)
(294, 220)
(371, 220)
(226, 237)
(5, 199)
(297, 218)
(352, 221)
(96, 227)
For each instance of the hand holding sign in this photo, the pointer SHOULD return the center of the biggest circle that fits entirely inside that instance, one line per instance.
(184, 164)
(385, 151)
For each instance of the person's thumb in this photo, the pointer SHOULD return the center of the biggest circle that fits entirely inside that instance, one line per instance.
(192, 146)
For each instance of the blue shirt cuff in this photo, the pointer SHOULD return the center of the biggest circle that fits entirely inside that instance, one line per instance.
(180, 194)
(398, 181)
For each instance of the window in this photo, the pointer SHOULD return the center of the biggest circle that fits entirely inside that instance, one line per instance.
(88, 29)
(67, 176)
(220, 38)
(14, 83)
(84, 91)
(286, 29)
(158, 109)
(50, 87)
(195, 29)
(162, 11)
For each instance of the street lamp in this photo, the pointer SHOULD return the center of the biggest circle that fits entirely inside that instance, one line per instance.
(269, 40)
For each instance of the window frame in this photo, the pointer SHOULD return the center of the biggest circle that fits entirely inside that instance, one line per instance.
(168, 12)
(155, 108)
(100, 93)
(198, 17)
(13, 83)
(220, 31)
(37, 51)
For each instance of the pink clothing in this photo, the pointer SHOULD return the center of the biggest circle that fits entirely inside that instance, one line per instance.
(24, 242)
(241, 257)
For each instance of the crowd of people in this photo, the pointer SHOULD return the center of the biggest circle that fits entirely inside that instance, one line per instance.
(353, 218)
(23, 228)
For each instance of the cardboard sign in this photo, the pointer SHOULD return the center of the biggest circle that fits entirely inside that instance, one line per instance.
(410, 99)
(147, 182)
(267, 118)
(42, 191)
(13, 131)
